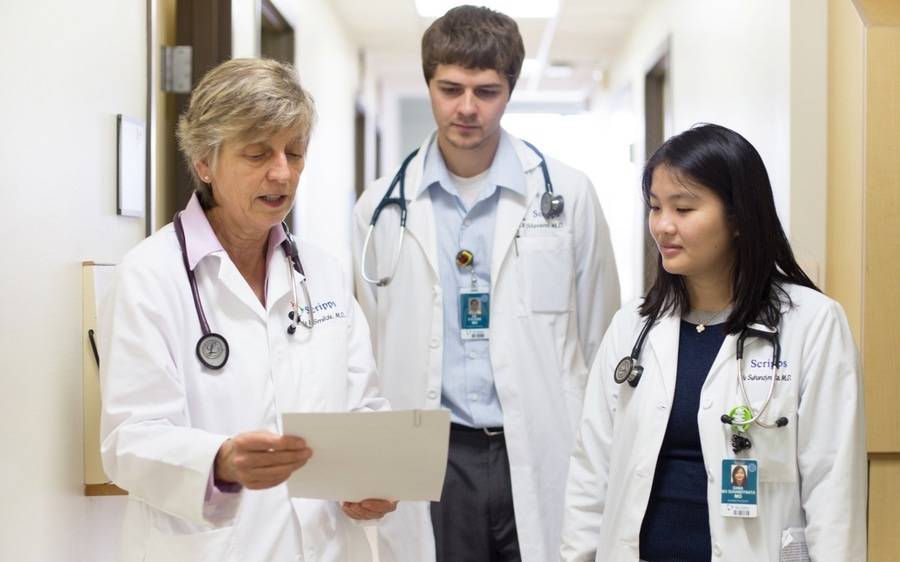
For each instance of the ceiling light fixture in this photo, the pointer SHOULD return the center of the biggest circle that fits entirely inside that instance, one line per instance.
(514, 8)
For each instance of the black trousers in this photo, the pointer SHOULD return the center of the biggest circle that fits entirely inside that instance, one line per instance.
(475, 521)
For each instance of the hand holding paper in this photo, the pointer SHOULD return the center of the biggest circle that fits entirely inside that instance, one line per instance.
(357, 456)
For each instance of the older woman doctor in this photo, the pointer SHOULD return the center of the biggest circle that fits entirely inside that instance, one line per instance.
(217, 324)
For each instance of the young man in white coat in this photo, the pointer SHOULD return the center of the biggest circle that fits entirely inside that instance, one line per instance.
(482, 216)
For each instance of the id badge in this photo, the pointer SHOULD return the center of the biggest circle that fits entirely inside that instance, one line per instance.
(474, 314)
(740, 479)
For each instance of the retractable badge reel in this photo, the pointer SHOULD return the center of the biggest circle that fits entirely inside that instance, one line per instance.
(474, 303)
(739, 440)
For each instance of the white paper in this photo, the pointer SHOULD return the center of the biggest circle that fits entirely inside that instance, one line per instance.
(399, 455)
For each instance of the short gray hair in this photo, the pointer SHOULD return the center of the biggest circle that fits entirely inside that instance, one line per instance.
(243, 100)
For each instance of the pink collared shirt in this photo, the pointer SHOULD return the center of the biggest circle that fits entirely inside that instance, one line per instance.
(201, 240)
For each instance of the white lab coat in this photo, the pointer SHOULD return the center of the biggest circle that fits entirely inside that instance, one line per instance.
(554, 290)
(812, 473)
(165, 415)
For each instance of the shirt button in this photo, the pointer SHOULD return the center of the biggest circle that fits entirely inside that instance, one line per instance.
(467, 222)
(662, 406)
(435, 342)
(717, 550)
(709, 475)
(432, 394)
(472, 355)
(473, 397)
(707, 404)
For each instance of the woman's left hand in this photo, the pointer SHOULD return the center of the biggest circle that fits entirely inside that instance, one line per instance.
(368, 509)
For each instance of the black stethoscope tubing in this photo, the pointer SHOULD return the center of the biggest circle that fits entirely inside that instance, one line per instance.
(552, 206)
(629, 370)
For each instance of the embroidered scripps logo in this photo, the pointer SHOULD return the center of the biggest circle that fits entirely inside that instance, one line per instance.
(756, 364)
(322, 312)
(534, 219)
(767, 374)
(321, 307)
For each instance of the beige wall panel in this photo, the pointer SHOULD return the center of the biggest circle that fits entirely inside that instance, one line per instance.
(879, 12)
(884, 509)
(846, 115)
(881, 337)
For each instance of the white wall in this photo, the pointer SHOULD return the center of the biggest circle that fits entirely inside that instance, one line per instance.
(757, 67)
(328, 62)
(245, 28)
(78, 65)
(72, 67)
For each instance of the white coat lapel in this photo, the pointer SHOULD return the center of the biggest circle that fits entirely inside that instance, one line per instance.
(511, 209)
(279, 280)
(662, 343)
(726, 354)
(238, 286)
(512, 206)
(419, 215)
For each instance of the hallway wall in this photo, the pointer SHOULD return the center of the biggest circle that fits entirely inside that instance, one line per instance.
(328, 63)
(57, 182)
(63, 86)
(756, 67)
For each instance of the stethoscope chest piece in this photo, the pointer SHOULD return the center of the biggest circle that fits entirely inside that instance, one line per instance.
(552, 205)
(628, 371)
(212, 350)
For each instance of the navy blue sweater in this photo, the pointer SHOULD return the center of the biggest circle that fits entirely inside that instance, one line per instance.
(676, 523)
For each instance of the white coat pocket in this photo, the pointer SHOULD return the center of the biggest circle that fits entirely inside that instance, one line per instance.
(209, 545)
(775, 448)
(547, 272)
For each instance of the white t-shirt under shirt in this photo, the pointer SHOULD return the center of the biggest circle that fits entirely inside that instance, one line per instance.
(469, 189)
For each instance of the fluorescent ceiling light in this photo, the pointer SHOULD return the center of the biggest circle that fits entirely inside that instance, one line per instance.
(530, 68)
(513, 8)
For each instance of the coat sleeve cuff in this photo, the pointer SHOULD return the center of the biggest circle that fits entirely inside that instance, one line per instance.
(221, 501)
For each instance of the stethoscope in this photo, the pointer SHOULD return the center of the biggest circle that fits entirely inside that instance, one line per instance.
(740, 417)
(212, 348)
(552, 205)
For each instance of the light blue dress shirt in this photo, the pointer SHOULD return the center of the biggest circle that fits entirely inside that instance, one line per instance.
(467, 387)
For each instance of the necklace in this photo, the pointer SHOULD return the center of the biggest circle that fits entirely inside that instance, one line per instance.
(701, 324)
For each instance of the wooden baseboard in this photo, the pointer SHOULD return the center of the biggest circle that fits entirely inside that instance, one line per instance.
(103, 490)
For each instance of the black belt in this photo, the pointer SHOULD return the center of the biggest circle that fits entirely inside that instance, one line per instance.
(489, 431)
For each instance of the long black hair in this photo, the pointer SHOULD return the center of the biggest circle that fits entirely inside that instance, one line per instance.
(723, 161)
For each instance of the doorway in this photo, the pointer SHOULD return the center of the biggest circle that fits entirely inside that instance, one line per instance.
(656, 127)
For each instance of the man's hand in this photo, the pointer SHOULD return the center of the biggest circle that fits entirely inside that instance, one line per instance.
(259, 460)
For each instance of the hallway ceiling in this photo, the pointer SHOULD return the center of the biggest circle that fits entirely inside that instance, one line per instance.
(587, 37)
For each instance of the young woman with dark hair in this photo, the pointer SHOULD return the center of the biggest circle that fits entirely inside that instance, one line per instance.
(734, 356)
